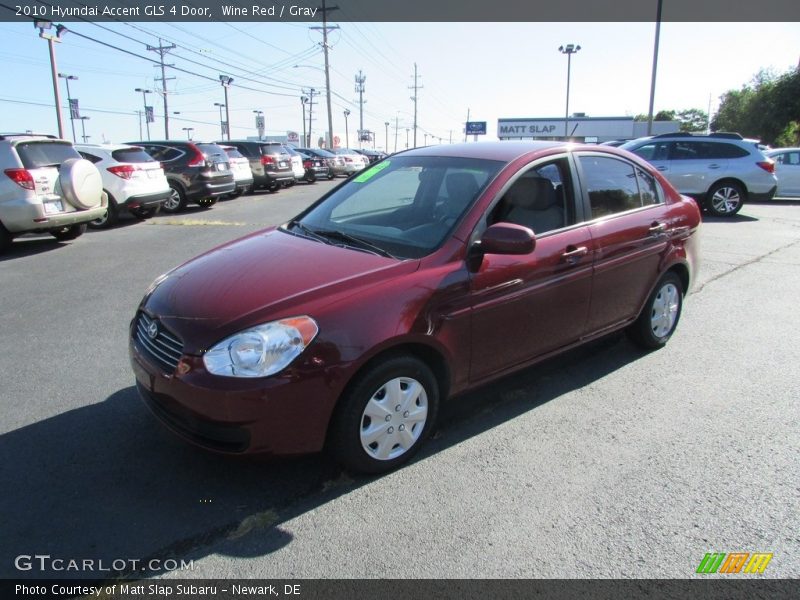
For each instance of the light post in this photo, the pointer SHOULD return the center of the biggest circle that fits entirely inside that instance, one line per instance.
(303, 100)
(346, 131)
(83, 129)
(221, 122)
(146, 115)
(387, 136)
(72, 114)
(226, 82)
(42, 25)
(188, 131)
(569, 50)
(407, 130)
(259, 123)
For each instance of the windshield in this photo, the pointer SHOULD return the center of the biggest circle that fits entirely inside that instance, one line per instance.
(404, 206)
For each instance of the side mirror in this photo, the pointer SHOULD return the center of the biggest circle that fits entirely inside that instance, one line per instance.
(506, 238)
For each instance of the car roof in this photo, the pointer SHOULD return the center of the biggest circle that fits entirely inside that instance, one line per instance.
(777, 150)
(107, 147)
(499, 150)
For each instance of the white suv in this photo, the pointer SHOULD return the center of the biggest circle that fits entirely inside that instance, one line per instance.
(720, 170)
(46, 187)
(133, 180)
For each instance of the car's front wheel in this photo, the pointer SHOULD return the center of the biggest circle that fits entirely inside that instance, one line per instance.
(725, 199)
(660, 314)
(385, 415)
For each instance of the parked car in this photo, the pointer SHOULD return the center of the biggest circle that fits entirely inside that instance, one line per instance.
(787, 170)
(720, 170)
(353, 161)
(314, 166)
(46, 188)
(298, 169)
(427, 275)
(240, 166)
(270, 163)
(372, 155)
(197, 172)
(132, 179)
(334, 163)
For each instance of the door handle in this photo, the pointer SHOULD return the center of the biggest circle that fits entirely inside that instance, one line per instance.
(574, 254)
(661, 168)
(713, 166)
(657, 228)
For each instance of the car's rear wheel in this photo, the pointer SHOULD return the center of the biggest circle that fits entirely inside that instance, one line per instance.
(176, 201)
(273, 187)
(660, 314)
(109, 219)
(385, 415)
(71, 232)
(235, 194)
(725, 199)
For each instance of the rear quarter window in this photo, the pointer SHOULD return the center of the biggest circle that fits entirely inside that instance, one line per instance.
(132, 155)
(35, 155)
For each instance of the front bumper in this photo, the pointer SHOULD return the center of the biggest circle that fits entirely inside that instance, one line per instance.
(285, 414)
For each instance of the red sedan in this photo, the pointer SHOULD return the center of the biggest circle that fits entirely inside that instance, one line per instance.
(432, 272)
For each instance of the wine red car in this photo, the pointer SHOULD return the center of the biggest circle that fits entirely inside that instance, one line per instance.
(433, 271)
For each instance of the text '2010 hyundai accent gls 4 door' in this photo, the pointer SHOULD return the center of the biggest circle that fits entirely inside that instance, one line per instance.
(433, 271)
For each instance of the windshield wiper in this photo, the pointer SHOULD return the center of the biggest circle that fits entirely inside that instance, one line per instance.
(353, 240)
(306, 230)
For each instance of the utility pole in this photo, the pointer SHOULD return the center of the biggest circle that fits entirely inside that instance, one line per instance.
(303, 100)
(162, 51)
(360, 79)
(311, 93)
(465, 126)
(415, 87)
(655, 69)
(387, 136)
(396, 125)
(226, 82)
(325, 28)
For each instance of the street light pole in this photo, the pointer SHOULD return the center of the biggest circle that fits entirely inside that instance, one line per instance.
(226, 82)
(346, 130)
(221, 124)
(303, 100)
(83, 129)
(144, 101)
(67, 79)
(569, 50)
(41, 25)
(188, 131)
(387, 136)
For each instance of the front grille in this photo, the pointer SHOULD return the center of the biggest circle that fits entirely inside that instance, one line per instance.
(165, 348)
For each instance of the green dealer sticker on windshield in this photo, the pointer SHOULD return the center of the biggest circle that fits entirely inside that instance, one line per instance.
(369, 173)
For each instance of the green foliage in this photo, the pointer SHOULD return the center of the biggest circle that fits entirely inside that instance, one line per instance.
(768, 108)
(691, 119)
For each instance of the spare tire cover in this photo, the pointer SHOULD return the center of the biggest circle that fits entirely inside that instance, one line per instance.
(80, 183)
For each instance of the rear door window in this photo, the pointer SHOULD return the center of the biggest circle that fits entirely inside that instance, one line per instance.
(35, 155)
(611, 184)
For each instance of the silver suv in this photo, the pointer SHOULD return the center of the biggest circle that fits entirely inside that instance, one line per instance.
(46, 187)
(719, 170)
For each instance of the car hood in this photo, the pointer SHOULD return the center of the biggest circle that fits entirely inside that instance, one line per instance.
(266, 276)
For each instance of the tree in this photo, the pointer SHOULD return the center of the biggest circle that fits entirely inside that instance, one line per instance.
(768, 108)
(690, 119)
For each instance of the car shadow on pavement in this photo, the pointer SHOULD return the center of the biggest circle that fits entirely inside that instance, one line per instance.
(31, 246)
(737, 218)
(107, 483)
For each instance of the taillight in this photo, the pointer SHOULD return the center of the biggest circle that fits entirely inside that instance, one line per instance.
(124, 171)
(21, 177)
(768, 165)
(347, 159)
(267, 160)
(307, 164)
(198, 160)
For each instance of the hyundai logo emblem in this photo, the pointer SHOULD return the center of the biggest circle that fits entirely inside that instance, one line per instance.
(152, 330)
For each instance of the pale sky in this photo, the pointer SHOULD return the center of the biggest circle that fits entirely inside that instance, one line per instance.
(494, 70)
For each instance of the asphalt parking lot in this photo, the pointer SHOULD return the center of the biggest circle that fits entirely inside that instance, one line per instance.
(607, 462)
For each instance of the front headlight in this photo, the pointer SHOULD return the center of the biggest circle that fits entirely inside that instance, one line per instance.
(262, 350)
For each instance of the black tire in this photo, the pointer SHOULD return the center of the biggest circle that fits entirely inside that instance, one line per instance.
(311, 177)
(725, 199)
(177, 200)
(109, 219)
(146, 212)
(371, 388)
(273, 187)
(71, 232)
(206, 203)
(233, 195)
(330, 175)
(5, 239)
(660, 315)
